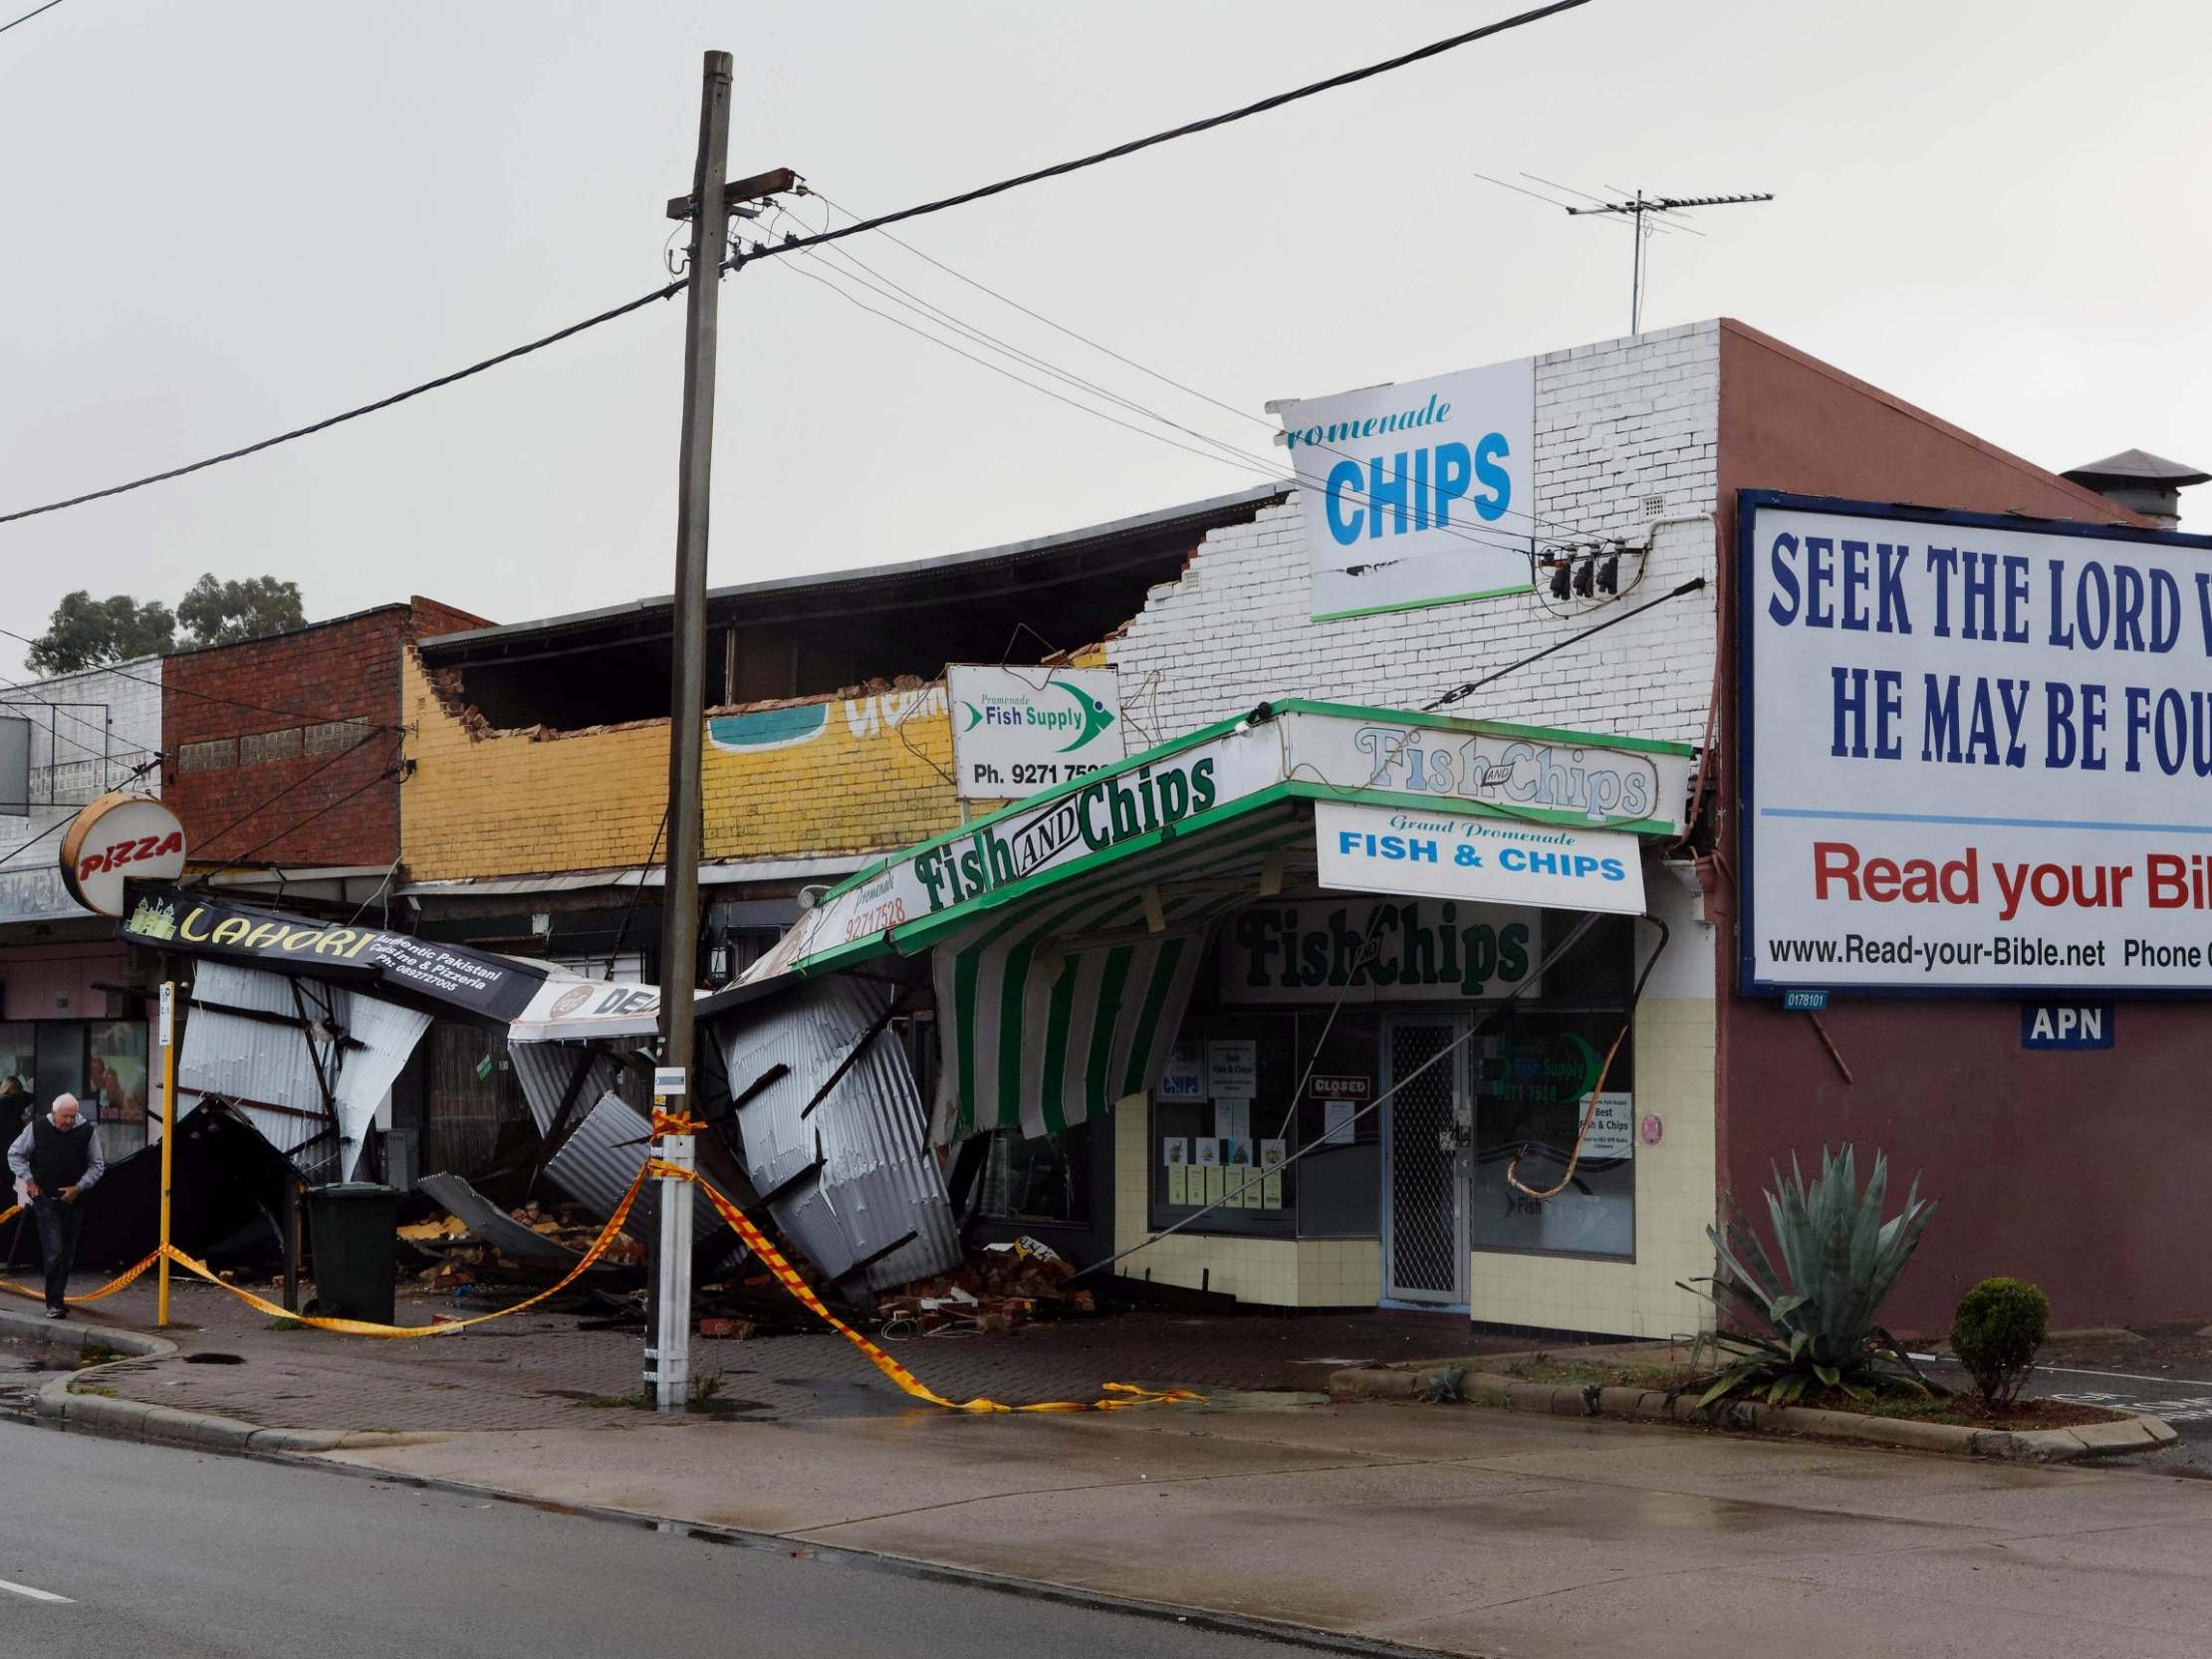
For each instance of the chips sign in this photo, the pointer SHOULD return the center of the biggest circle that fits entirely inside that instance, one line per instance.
(116, 839)
(1418, 494)
(1016, 731)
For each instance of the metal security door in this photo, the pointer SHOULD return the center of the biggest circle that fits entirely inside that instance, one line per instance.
(1426, 1128)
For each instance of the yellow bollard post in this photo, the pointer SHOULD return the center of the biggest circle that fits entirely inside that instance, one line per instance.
(168, 1138)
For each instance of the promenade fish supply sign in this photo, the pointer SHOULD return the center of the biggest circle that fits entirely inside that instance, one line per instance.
(1977, 752)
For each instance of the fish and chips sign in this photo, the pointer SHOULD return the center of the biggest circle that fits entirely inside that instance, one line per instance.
(1292, 749)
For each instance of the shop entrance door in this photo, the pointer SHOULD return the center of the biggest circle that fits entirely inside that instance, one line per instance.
(1427, 1126)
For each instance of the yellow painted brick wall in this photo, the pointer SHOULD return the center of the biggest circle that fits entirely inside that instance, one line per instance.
(829, 776)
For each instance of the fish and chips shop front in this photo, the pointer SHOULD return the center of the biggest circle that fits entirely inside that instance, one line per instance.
(1323, 1007)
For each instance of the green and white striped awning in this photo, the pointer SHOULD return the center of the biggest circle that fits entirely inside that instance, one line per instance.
(1055, 1009)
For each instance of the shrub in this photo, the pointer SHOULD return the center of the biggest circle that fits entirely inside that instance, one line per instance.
(1809, 1325)
(1999, 1326)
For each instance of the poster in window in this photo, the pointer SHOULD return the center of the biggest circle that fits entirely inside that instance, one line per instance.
(1233, 1066)
(1185, 1076)
(1217, 1188)
(1178, 1183)
(1206, 1152)
(1232, 1119)
(1337, 1124)
(116, 1072)
(1612, 1127)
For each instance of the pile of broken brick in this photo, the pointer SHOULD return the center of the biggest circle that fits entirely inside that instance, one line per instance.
(998, 1289)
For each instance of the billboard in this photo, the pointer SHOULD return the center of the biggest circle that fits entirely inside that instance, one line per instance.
(1418, 494)
(1016, 731)
(1974, 752)
(1390, 849)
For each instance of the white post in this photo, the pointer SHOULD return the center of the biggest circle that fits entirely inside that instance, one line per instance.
(672, 1357)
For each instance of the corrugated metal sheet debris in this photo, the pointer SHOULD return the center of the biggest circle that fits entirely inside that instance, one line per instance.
(490, 1223)
(260, 1064)
(850, 1182)
(598, 1163)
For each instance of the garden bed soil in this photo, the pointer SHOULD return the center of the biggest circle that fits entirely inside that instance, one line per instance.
(1958, 1410)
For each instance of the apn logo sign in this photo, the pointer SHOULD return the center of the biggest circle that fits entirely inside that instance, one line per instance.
(2066, 1025)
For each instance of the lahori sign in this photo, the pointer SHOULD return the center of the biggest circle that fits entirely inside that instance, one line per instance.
(1418, 494)
(1293, 750)
(1978, 752)
(498, 988)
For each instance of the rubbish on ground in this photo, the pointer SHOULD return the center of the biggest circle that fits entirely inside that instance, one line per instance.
(998, 1289)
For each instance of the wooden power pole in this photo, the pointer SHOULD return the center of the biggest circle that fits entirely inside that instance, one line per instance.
(708, 207)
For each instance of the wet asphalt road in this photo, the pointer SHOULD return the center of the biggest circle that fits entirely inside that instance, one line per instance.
(193, 1556)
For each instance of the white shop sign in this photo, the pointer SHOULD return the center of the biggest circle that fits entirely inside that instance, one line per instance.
(1385, 849)
(1519, 771)
(1016, 731)
(1418, 494)
(1976, 752)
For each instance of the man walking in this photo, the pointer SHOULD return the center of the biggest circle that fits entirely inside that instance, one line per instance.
(56, 1159)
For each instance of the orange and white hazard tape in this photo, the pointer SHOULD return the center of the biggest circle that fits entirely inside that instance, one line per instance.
(1118, 1396)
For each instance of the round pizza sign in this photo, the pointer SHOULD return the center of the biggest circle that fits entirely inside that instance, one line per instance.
(116, 839)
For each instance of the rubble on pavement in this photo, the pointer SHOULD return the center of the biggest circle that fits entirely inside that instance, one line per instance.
(999, 1289)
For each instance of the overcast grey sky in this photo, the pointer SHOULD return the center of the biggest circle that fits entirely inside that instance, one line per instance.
(227, 218)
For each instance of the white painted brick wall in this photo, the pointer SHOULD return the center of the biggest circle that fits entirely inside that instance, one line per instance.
(1616, 422)
(88, 731)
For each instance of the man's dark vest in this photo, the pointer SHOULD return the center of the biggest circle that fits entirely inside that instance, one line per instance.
(59, 1157)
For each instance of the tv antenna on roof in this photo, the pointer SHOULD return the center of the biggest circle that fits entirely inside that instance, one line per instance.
(1634, 210)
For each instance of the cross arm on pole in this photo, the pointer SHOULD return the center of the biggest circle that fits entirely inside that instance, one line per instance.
(774, 182)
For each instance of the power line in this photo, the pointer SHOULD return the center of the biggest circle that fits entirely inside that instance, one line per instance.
(264, 805)
(1187, 129)
(1457, 692)
(939, 205)
(1535, 519)
(539, 345)
(27, 16)
(164, 686)
(1249, 461)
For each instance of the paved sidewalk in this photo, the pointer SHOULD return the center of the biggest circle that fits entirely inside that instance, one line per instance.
(1474, 1532)
(539, 1371)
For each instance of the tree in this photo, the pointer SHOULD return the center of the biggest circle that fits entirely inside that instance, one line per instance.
(84, 632)
(224, 612)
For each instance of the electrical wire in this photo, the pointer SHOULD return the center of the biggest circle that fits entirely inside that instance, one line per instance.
(1187, 129)
(167, 686)
(1474, 1030)
(27, 16)
(1166, 379)
(1249, 462)
(1459, 692)
(920, 209)
(59, 825)
(1598, 1087)
(391, 772)
(356, 414)
(305, 777)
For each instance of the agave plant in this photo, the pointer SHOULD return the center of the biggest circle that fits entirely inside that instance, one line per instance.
(1810, 1326)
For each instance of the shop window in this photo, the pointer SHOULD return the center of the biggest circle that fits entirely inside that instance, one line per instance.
(1532, 1083)
(1223, 1121)
(1041, 1181)
(116, 1070)
(19, 1070)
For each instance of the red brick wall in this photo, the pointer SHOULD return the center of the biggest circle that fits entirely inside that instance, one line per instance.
(2086, 1173)
(257, 763)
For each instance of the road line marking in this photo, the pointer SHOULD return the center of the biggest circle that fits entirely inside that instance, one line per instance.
(35, 1596)
(2124, 1376)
